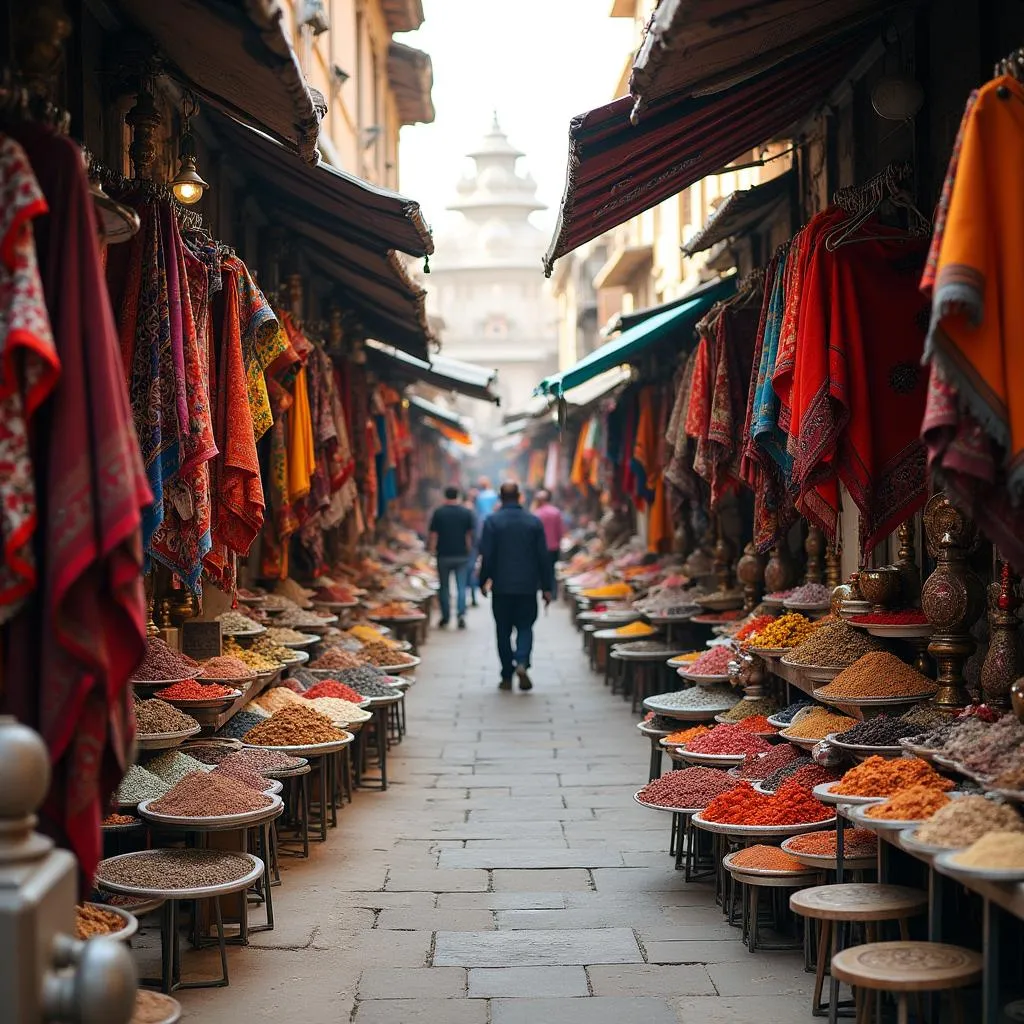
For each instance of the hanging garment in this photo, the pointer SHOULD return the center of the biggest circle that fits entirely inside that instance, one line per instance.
(974, 422)
(72, 649)
(29, 369)
(645, 448)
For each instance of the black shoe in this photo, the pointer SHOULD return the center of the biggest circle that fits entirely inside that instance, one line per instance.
(462, 622)
(442, 624)
(505, 684)
(524, 678)
(475, 605)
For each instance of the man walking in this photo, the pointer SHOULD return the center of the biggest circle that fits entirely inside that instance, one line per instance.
(514, 566)
(551, 519)
(451, 539)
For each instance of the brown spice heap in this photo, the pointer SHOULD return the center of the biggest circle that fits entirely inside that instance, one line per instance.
(262, 760)
(161, 662)
(335, 657)
(914, 804)
(294, 726)
(91, 920)
(154, 870)
(817, 724)
(878, 776)
(225, 666)
(157, 716)
(962, 822)
(834, 644)
(878, 674)
(153, 1007)
(857, 842)
(276, 698)
(382, 654)
(241, 773)
(119, 819)
(207, 795)
(766, 858)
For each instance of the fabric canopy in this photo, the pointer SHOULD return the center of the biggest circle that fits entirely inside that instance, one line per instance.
(625, 321)
(741, 212)
(695, 47)
(617, 171)
(235, 55)
(448, 374)
(678, 322)
(451, 425)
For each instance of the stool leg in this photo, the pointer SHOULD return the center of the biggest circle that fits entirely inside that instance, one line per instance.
(904, 929)
(824, 938)
(902, 1016)
(958, 1008)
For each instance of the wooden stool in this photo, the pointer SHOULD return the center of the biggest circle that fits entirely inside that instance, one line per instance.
(902, 967)
(868, 903)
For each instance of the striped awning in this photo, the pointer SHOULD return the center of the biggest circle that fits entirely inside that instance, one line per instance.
(618, 170)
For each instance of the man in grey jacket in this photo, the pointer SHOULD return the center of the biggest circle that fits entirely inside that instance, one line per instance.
(514, 567)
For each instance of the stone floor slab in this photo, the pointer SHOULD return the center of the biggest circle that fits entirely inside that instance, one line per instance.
(541, 880)
(745, 1010)
(510, 857)
(648, 980)
(415, 983)
(583, 1011)
(539, 982)
(425, 880)
(552, 948)
(420, 1011)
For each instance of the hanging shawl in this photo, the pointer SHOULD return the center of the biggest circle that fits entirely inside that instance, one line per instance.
(29, 369)
(859, 391)
(972, 421)
(238, 501)
(71, 652)
(183, 538)
(137, 276)
(643, 458)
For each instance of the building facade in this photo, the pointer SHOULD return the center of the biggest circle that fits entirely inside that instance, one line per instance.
(485, 283)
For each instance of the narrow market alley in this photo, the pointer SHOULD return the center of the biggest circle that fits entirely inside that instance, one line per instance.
(507, 876)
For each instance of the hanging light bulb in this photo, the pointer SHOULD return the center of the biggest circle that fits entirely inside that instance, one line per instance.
(187, 186)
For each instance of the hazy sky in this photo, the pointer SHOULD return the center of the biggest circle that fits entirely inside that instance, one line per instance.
(537, 62)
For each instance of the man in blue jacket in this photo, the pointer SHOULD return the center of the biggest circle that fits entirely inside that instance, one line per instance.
(514, 567)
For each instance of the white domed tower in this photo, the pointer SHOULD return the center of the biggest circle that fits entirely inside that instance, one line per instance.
(486, 281)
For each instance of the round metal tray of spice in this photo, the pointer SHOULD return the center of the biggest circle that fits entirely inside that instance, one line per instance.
(764, 861)
(824, 793)
(179, 874)
(762, 830)
(94, 920)
(164, 740)
(240, 819)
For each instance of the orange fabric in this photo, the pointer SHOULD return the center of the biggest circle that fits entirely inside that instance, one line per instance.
(659, 521)
(977, 331)
(579, 475)
(301, 456)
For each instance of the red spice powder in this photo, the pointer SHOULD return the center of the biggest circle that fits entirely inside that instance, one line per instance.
(191, 690)
(756, 723)
(906, 617)
(791, 805)
(756, 623)
(728, 739)
(857, 842)
(332, 688)
(758, 767)
(766, 858)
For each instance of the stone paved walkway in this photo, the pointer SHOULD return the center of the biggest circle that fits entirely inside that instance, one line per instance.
(506, 877)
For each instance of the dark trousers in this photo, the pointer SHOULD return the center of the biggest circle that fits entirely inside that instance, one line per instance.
(514, 612)
(554, 556)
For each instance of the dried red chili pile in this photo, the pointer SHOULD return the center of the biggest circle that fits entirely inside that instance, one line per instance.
(728, 739)
(756, 723)
(690, 787)
(332, 688)
(335, 593)
(791, 805)
(756, 623)
(905, 617)
(191, 690)
(811, 775)
(757, 767)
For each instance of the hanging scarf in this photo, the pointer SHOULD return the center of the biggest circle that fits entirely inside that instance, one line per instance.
(71, 652)
(29, 369)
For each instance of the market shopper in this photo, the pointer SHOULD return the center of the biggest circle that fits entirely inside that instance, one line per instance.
(514, 566)
(473, 573)
(452, 532)
(554, 526)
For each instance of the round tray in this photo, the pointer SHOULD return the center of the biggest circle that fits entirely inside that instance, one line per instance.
(725, 603)
(882, 824)
(799, 741)
(255, 872)
(703, 680)
(652, 733)
(625, 638)
(255, 599)
(335, 606)
(395, 669)
(165, 740)
(662, 655)
(123, 828)
(764, 830)
(768, 652)
(869, 702)
(308, 639)
(727, 863)
(235, 681)
(676, 661)
(127, 929)
(157, 683)
(212, 702)
(377, 702)
(774, 720)
(172, 1008)
(907, 632)
(662, 807)
(670, 620)
(862, 750)
(298, 658)
(1011, 796)
(310, 749)
(823, 791)
(945, 863)
(245, 634)
(816, 673)
(712, 760)
(684, 714)
(908, 838)
(925, 753)
(242, 820)
(802, 606)
(825, 860)
(417, 617)
(622, 618)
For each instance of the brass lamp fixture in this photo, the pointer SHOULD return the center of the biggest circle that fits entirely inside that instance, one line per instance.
(188, 187)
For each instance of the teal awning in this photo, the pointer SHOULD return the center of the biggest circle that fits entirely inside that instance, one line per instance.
(632, 342)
